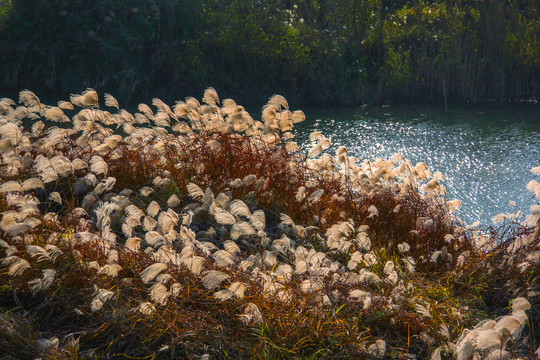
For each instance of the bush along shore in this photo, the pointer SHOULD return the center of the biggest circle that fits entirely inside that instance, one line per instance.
(323, 52)
(198, 232)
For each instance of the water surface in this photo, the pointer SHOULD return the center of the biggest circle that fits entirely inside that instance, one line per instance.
(486, 155)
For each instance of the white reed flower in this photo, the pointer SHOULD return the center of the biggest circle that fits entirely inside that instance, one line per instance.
(251, 314)
(29, 99)
(284, 271)
(368, 276)
(270, 258)
(239, 208)
(61, 165)
(39, 252)
(410, 263)
(98, 165)
(167, 220)
(153, 209)
(301, 267)
(214, 279)
(520, 303)
(236, 183)
(423, 310)
(311, 285)
(159, 293)
(238, 289)
(258, 220)
(315, 135)
(231, 247)
(43, 283)
(373, 211)
(370, 259)
(361, 296)
(150, 273)
(101, 296)
(173, 201)
(393, 277)
(363, 242)
(43, 166)
(211, 96)
(534, 187)
(16, 265)
(223, 258)
(195, 191)
(175, 289)
(282, 245)
(315, 150)
(11, 186)
(286, 220)
(249, 180)
(511, 324)
(389, 267)
(146, 308)
(356, 258)
(223, 217)
(242, 229)
(404, 247)
(88, 98)
(377, 349)
(31, 184)
(146, 191)
(111, 270)
(45, 345)
(110, 101)
(224, 295)
(521, 316)
(291, 147)
(315, 196)
(213, 144)
(149, 223)
(154, 239)
(134, 211)
(194, 263)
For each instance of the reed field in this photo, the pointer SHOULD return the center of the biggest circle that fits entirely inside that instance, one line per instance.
(199, 231)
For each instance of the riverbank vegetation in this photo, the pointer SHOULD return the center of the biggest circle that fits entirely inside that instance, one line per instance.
(197, 231)
(314, 52)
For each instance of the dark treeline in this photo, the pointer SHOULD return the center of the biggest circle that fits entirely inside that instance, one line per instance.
(311, 51)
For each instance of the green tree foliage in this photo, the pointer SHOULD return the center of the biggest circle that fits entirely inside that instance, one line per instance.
(5, 6)
(315, 51)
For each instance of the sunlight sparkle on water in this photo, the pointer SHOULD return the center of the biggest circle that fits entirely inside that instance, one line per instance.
(486, 158)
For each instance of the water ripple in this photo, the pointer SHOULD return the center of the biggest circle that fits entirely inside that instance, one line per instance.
(486, 157)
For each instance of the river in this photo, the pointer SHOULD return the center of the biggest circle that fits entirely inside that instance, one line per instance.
(485, 154)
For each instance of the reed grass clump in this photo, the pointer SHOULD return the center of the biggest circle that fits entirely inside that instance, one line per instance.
(196, 230)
